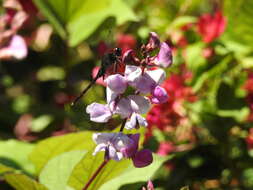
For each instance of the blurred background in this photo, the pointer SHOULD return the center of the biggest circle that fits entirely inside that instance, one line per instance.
(51, 49)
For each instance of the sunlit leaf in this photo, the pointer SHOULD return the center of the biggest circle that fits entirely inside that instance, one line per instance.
(57, 171)
(14, 153)
(53, 146)
(239, 16)
(22, 182)
(113, 175)
(41, 122)
(4, 169)
(79, 19)
(133, 175)
(89, 164)
(51, 73)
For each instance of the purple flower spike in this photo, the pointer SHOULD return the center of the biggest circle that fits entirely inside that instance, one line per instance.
(159, 95)
(154, 41)
(164, 57)
(135, 121)
(130, 151)
(142, 158)
(98, 112)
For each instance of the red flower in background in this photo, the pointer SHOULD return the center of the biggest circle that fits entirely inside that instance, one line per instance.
(210, 26)
(126, 42)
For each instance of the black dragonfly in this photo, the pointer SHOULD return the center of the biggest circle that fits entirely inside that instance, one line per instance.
(109, 59)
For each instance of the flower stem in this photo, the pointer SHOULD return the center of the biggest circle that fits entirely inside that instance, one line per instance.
(95, 174)
(122, 125)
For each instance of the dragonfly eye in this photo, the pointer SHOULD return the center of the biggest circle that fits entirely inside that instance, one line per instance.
(118, 51)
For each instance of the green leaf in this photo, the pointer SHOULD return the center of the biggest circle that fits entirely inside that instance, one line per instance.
(4, 169)
(79, 19)
(89, 164)
(57, 171)
(51, 73)
(113, 175)
(14, 153)
(247, 62)
(194, 59)
(215, 71)
(134, 175)
(22, 182)
(239, 16)
(52, 17)
(182, 20)
(53, 146)
(41, 122)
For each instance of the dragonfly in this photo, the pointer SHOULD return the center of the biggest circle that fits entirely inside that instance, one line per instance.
(110, 59)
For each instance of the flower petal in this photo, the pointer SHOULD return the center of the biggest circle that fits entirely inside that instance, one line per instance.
(139, 104)
(159, 95)
(124, 108)
(142, 158)
(158, 75)
(132, 73)
(154, 41)
(164, 57)
(132, 148)
(102, 137)
(99, 147)
(98, 112)
(117, 83)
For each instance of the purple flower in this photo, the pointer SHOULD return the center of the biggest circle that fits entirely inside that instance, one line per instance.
(133, 103)
(145, 82)
(116, 145)
(153, 42)
(159, 95)
(124, 108)
(142, 158)
(130, 151)
(164, 57)
(99, 113)
(117, 83)
(135, 121)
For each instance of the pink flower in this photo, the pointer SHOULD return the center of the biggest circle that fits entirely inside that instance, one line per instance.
(150, 186)
(126, 42)
(211, 27)
(16, 49)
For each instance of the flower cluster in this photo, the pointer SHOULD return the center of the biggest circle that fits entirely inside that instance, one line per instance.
(130, 94)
